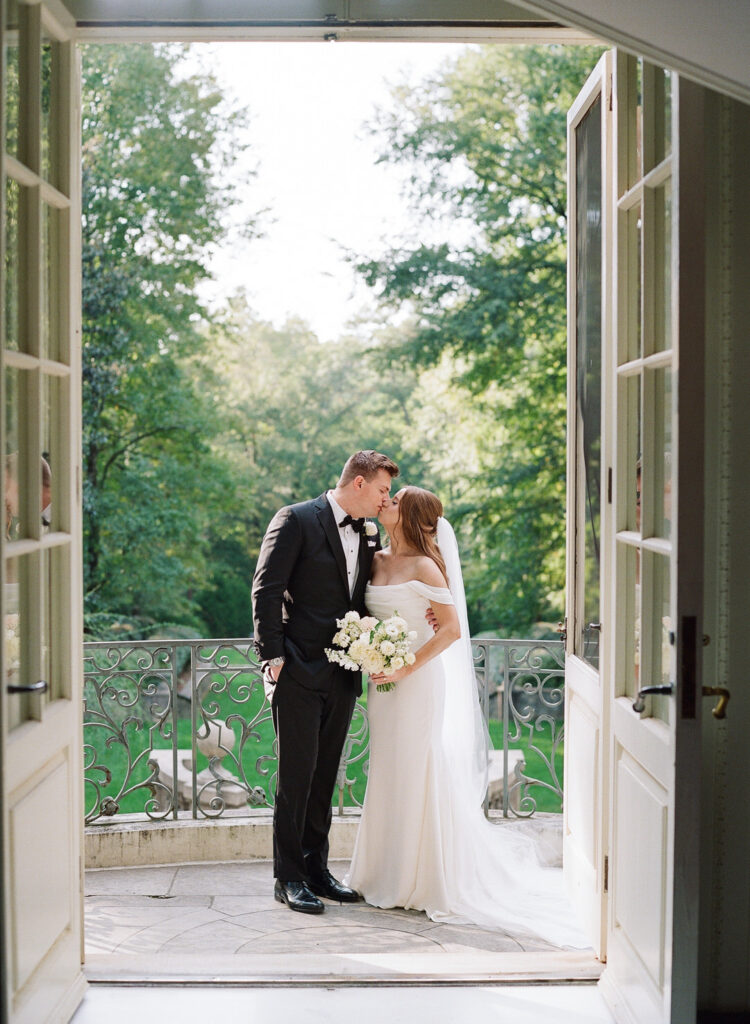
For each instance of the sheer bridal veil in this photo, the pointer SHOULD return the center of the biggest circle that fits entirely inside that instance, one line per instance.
(496, 878)
(465, 735)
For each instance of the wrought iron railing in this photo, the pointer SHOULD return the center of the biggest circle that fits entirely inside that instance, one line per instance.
(181, 728)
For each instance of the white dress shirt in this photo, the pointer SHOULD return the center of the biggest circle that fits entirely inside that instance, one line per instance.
(349, 542)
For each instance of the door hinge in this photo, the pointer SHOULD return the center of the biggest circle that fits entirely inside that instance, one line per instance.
(609, 485)
(606, 874)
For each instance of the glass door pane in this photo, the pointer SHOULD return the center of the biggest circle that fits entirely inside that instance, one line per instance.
(588, 379)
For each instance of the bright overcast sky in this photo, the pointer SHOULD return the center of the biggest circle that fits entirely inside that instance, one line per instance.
(317, 172)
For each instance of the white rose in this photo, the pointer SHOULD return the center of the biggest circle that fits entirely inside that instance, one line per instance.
(370, 528)
(358, 649)
(410, 658)
(392, 630)
(368, 622)
(387, 648)
(351, 617)
(398, 622)
(396, 664)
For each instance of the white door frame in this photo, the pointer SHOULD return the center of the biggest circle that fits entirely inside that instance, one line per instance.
(41, 743)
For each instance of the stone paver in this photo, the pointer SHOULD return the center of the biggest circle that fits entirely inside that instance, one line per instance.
(229, 909)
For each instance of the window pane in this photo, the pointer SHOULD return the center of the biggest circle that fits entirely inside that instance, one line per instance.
(55, 620)
(50, 322)
(11, 86)
(50, 98)
(638, 112)
(629, 621)
(662, 114)
(631, 346)
(54, 394)
(662, 452)
(21, 654)
(631, 127)
(657, 631)
(12, 507)
(12, 257)
(629, 414)
(588, 376)
(662, 267)
(22, 480)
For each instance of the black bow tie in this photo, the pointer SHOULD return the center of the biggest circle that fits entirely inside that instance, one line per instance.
(357, 525)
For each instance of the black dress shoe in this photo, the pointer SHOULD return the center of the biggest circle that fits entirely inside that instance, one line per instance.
(326, 885)
(297, 896)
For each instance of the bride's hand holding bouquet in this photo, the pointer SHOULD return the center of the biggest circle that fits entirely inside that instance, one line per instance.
(379, 647)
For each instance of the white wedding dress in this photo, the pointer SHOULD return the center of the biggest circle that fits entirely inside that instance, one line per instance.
(423, 841)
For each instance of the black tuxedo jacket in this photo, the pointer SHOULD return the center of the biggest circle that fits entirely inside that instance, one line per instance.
(300, 588)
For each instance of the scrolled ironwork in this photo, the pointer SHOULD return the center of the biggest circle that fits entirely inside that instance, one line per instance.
(182, 728)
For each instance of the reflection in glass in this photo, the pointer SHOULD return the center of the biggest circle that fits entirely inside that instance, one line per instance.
(630, 404)
(49, 62)
(12, 259)
(638, 167)
(661, 112)
(660, 631)
(633, 283)
(51, 456)
(588, 376)
(663, 267)
(11, 78)
(15, 636)
(629, 620)
(12, 508)
(662, 452)
(50, 293)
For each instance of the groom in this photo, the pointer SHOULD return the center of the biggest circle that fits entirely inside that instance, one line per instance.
(312, 569)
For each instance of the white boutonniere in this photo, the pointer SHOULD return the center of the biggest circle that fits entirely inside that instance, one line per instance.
(371, 529)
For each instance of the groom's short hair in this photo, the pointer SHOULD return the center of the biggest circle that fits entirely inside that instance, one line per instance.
(367, 464)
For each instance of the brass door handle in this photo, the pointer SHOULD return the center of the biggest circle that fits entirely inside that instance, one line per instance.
(720, 711)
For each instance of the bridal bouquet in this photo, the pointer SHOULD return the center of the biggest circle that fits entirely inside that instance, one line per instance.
(372, 645)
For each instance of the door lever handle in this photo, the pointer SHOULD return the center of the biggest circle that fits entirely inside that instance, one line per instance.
(720, 711)
(40, 687)
(639, 704)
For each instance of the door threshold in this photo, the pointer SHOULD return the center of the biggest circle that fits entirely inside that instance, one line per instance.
(310, 969)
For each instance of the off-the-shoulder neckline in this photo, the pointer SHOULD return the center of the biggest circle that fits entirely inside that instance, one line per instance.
(405, 583)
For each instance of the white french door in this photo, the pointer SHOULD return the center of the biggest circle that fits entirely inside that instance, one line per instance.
(586, 710)
(633, 668)
(40, 661)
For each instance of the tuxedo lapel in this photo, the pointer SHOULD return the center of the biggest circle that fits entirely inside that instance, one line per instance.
(365, 563)
(330, 526)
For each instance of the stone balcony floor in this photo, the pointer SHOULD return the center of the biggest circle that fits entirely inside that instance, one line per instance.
(219, 923)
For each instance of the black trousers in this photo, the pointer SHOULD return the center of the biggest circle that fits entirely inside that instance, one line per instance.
(311, 728)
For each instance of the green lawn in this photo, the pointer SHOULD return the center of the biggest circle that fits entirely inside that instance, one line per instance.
(537, 764)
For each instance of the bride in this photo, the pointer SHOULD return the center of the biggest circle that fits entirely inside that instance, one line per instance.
(424, 842)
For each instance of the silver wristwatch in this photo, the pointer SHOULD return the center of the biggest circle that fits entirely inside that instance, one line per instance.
(274, 661)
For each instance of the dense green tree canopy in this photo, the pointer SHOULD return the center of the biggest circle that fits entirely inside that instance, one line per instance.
(486, 142)
(154, 141)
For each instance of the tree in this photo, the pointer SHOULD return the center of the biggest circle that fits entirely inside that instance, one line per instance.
(155, 138)
(486, 141)
(294, 409)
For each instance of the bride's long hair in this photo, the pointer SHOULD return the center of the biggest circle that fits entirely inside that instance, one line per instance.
(418, 514)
